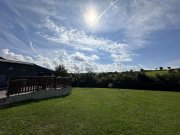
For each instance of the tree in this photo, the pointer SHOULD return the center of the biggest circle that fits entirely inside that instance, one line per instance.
(89, 68)
(160, 68)
(142, 70)
(168, 68)
(77, 69)
(61, 71)
(131, 71)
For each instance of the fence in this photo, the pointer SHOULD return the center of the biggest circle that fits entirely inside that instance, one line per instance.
(29, 84)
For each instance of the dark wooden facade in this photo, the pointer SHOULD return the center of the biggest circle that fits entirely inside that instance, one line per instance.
(9, 69)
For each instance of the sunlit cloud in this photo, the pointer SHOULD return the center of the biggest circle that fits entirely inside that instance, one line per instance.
(102, 35)
(81, 40)
(76, 62)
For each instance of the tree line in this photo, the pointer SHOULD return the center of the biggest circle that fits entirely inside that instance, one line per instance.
(129, 80)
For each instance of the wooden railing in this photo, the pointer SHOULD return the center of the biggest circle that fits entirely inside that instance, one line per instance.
(29, 84)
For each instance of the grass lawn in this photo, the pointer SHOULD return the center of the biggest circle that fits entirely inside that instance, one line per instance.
(155, 72)
(93, 111)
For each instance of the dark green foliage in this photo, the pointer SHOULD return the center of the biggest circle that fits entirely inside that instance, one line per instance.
(61, 71)
(131, 79)
(160, 68)
(142, 70)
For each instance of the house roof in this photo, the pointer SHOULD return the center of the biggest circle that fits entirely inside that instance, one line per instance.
(21, 62)
(2, 58)
(13, 61)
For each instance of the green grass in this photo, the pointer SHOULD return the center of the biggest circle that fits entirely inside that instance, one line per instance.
(155, 72)
(92, 111)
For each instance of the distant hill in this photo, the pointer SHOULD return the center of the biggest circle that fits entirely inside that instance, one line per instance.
(155, 72)
(160, 72)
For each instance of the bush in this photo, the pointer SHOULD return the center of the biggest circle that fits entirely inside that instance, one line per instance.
(135, 80)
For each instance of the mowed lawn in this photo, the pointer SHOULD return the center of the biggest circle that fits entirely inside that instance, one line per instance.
(94, 111)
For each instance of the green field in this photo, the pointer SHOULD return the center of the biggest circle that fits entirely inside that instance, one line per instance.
(156, 72)
(92, 111)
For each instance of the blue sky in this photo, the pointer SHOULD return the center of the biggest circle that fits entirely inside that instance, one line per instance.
(101, 36)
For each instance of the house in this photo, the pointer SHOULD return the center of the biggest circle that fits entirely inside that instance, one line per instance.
(11, 68)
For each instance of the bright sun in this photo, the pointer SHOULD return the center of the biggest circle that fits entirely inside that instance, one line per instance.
(90, 17)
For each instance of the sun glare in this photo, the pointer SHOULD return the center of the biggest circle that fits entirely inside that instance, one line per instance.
(90, 17)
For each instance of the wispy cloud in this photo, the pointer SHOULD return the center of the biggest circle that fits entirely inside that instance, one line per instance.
(33, 48)
(48, 34)
(82, 41)
(104, 12)
(136, 20)
(173, 63)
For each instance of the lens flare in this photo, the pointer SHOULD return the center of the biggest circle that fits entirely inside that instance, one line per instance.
(90, 17)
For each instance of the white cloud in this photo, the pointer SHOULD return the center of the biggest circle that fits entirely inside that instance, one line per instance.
(32, 47)
(134, 18)
(137, 19)
(80, 40)
(122, 58)
(94, 57)
(76, 62)
(86, 63)
(79, 57)
(39, 60)
(12, 56)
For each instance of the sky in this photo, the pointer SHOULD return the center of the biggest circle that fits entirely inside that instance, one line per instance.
(91, 35)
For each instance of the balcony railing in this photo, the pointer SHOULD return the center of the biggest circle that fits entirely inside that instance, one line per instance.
(29, 84)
